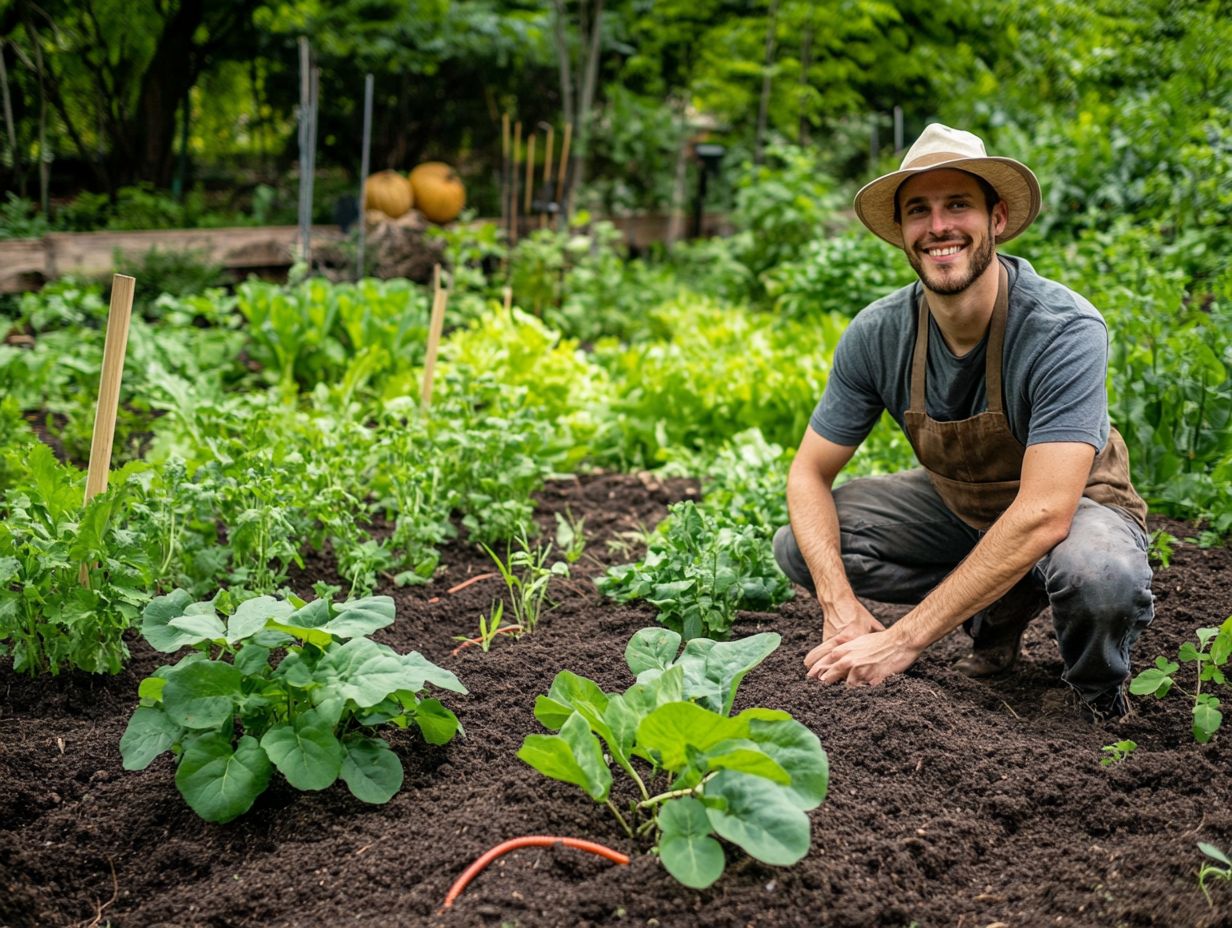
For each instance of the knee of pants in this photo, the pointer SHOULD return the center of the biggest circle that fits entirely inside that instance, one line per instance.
(1113, 592)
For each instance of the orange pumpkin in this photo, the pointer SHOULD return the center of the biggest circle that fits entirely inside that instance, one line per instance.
(439, 193)
(389, 192)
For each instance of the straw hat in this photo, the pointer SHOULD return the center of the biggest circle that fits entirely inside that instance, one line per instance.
(942, 147)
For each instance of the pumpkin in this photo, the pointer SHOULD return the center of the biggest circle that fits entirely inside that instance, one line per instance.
(389, 192)
(438, 190)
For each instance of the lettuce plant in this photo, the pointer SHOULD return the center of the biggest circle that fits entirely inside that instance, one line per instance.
(748, 779)
(232, 715)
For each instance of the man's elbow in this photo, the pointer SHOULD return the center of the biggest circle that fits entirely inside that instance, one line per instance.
(1049, 523)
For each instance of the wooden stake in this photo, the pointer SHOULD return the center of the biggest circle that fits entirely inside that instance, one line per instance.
(547, 174)
(439, 298)
(517, 156)
(530, 172)
(564, 163)
(507, 293)
(114, 348)
(505, 177)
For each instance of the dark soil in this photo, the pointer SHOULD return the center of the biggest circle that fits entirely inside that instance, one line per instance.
(953, 802)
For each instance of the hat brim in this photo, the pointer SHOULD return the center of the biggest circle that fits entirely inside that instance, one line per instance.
(1013, 181)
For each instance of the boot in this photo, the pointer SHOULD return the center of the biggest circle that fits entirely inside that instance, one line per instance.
(997, 632)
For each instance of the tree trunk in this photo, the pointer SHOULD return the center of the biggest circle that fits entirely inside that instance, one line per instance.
(581, 144)
(168, 79)
(763, 106)
(806, 62)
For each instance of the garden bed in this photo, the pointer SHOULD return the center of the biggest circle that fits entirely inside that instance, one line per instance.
(952, 801)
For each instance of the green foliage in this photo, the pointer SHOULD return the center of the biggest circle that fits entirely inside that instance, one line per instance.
(20, 218)
(1221, 869)
(748, 779)
(527, 576)
(234, 718)
(1210, 658)
(699, 572)
(1117, 752)
(836, 274)
(49, 620)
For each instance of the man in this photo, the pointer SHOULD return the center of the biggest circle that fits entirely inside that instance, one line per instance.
(1023, 498)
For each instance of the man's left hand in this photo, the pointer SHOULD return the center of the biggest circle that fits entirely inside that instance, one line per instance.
(863, 661)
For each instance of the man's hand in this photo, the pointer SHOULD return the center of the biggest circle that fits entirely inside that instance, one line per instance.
(847, 621)
(863, 661)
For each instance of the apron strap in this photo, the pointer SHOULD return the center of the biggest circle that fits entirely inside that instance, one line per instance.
(992, 359)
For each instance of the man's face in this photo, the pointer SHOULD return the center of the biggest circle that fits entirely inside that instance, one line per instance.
(948, 232)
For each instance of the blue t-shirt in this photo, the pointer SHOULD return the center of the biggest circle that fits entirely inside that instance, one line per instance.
(1053, 369)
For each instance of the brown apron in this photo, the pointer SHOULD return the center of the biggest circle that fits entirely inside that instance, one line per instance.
(975, 464)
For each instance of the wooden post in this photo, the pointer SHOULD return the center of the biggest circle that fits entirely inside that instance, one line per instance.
(549, 197)
(114, 347)
(439, 297)
(561, 195)
(517, 156)
(505, 181)
(365, 150)
(530, 173)
(305, 97)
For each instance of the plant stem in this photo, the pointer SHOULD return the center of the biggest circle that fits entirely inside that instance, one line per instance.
(620, 818)
(663, 797)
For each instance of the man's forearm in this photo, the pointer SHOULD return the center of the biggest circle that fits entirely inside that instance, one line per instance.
(1013, 545)
(814, 522)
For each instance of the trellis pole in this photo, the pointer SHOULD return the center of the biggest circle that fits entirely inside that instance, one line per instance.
(440, 297)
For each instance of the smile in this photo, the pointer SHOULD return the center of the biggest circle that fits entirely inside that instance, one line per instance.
(942, 252)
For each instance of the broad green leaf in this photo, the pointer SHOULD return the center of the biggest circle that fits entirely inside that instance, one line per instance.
(308, 755)
(668, 686)
(313, 636)
(1221, 647)
(747, 757)
(670, 728)
(310, 615)
(202, 694)
(621, 722)
(420, 670)
(372, 771)
(799, 752)
(686, 847)
(151, 688)
(550, 713)
(1151, 681)
(150, 732)
(252, 615)
(252, 659)
(364, 671)
(1206, 718)
(218, 782)
(573, 756)
(155, 627)
(361, 617)
(199, 628)
(436, 722)
(757, 815)
(651, 649)
(729, 661)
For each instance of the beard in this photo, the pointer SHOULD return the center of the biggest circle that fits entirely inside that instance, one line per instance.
(951, 281)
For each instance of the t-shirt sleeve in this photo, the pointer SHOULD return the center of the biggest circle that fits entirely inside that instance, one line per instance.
(1067, 392)
(850, 404)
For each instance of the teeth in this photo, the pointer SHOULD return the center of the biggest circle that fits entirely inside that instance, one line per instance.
(942, 252)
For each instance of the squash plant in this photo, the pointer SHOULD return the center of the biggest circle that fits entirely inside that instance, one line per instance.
(232, 716)
(749, 779)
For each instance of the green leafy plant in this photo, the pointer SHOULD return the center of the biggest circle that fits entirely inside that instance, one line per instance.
(748, 779)
(1221, 869)
(1115, 753)
(527, 574)
(1209, 657)
(570, 535)
(490, 625)
(699, 573)
(1162, 544)
(232, 715)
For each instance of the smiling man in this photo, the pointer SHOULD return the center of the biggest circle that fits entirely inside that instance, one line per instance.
(1023, 499)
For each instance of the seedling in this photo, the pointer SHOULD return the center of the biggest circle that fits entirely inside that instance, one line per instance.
(1220, 870)
(526, 574)
(1210, 657)
(749, 779)
(489, 627)
(570, 535)
(1115, 753)
(1162, 543)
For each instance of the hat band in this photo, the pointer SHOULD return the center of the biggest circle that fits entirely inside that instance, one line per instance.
(936, 157)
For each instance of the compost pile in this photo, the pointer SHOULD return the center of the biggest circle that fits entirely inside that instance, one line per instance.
(952, 801)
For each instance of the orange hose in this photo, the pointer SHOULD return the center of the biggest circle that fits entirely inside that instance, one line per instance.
(458, 587)
(528, 841)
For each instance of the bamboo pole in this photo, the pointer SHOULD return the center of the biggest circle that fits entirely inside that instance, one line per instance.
(440, 297)
(517, 156)
(114, 348)
(530, 172)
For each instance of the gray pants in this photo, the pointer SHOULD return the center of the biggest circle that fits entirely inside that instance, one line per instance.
(899, 541)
